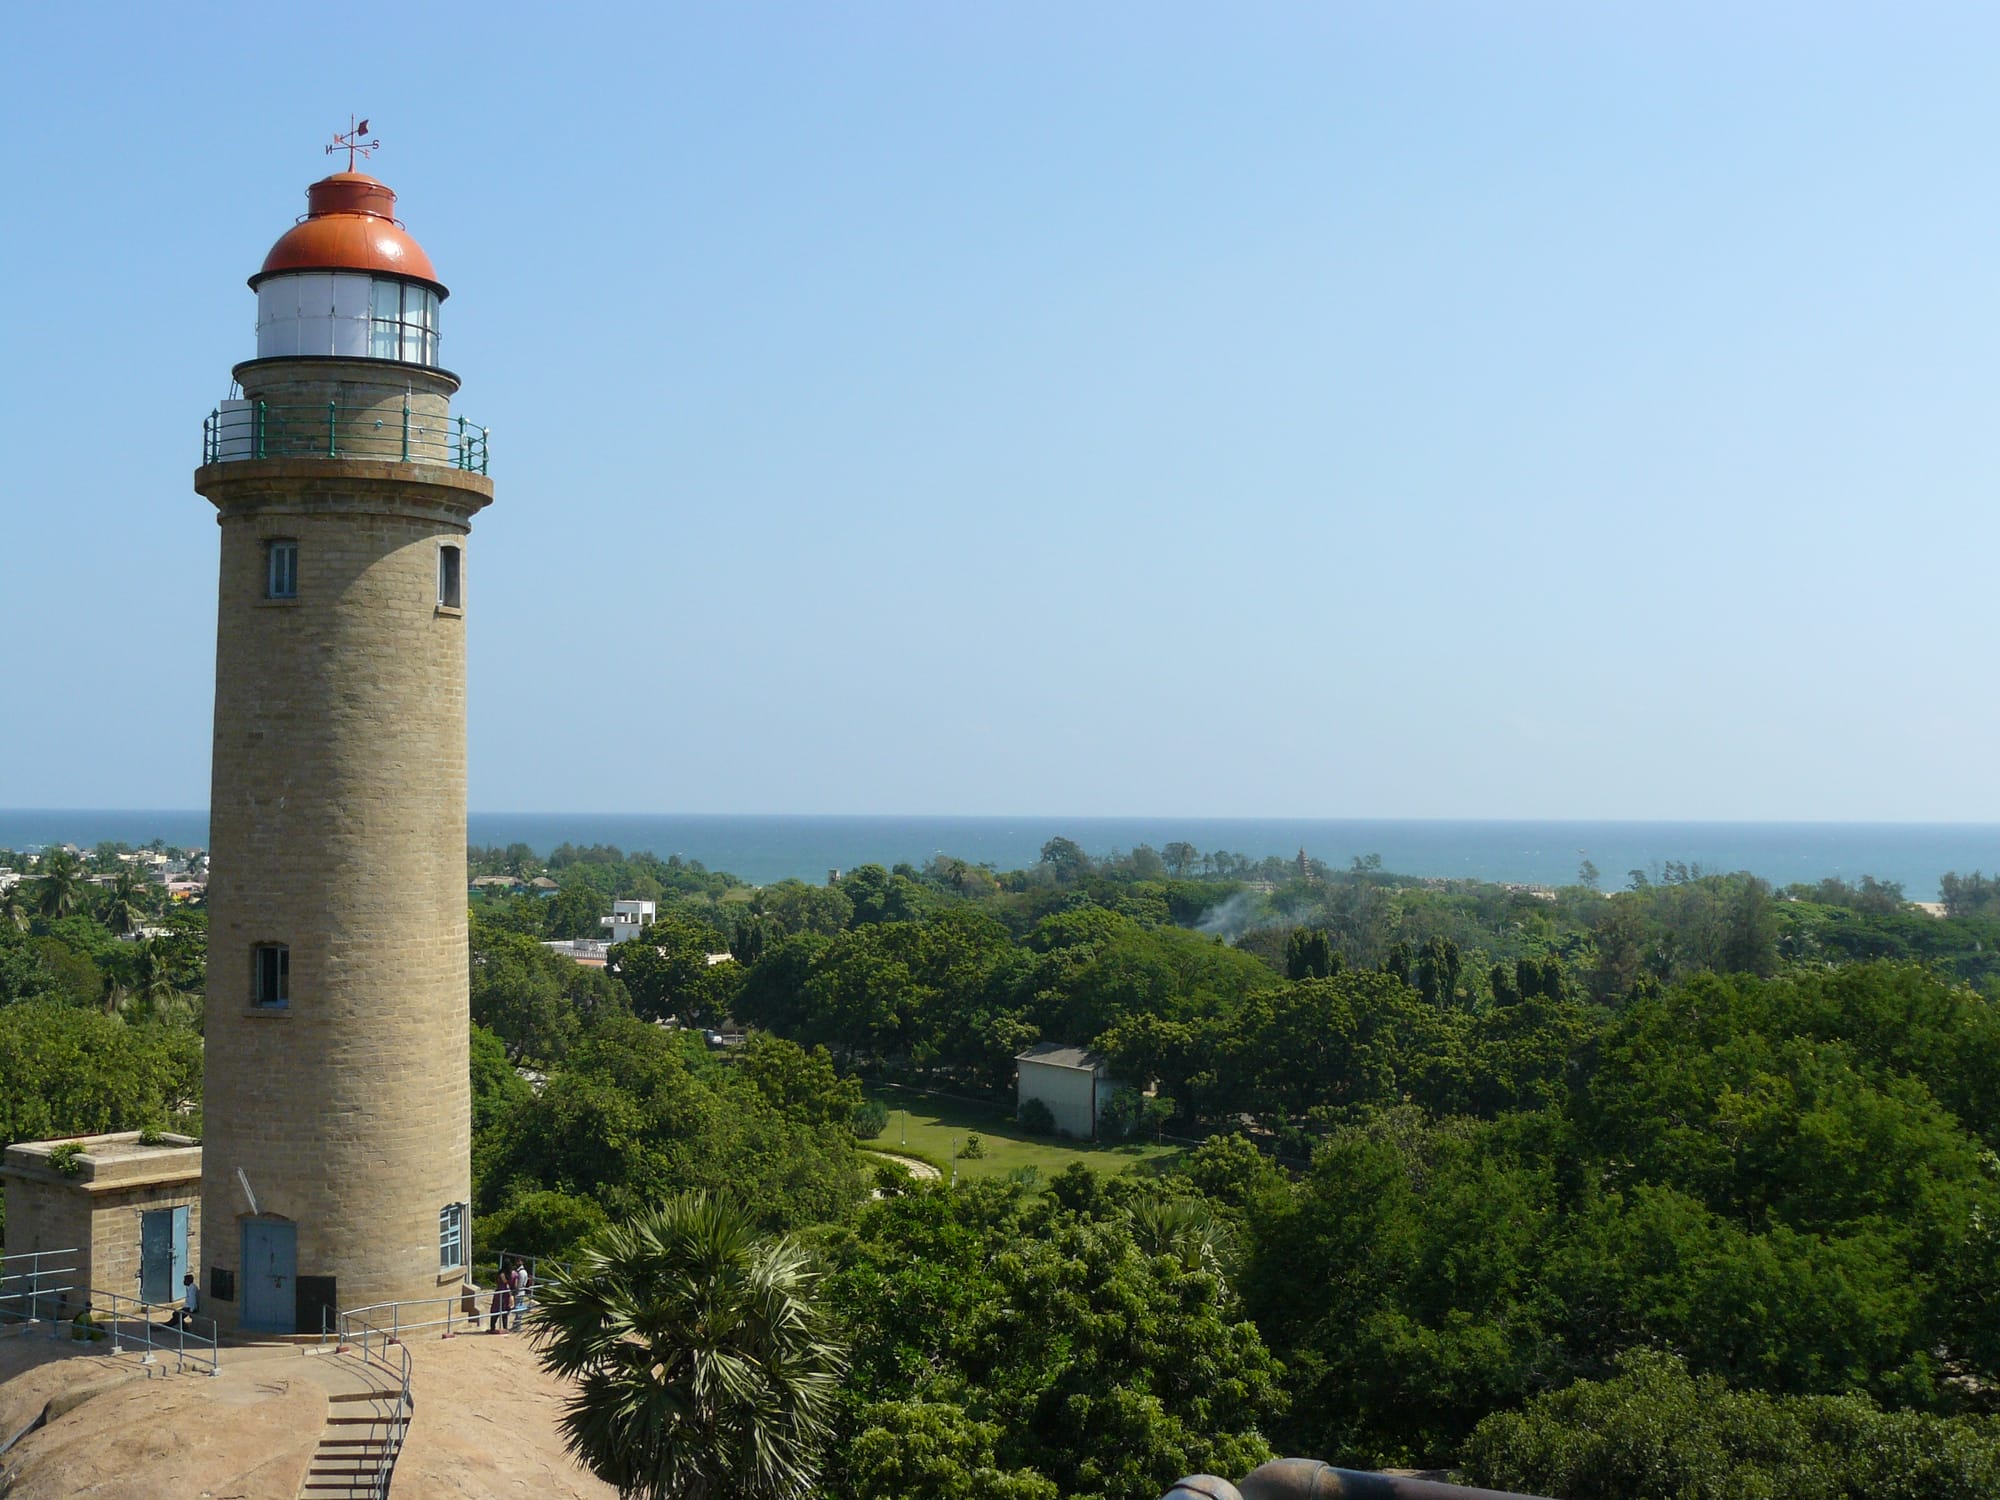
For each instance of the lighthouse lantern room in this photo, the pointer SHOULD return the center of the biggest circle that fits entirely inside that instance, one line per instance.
(346, 281)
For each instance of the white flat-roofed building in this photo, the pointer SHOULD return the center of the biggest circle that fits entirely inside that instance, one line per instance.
(627, 920)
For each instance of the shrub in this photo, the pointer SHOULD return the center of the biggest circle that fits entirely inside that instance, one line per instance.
(974, 1146)
(870, 1119)
(1035, 1118)
(68, 1158)
(891, 1181)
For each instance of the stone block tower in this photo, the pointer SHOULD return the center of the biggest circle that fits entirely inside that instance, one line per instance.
(336, 1161)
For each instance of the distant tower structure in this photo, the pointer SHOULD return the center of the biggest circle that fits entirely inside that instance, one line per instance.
(337, 1120)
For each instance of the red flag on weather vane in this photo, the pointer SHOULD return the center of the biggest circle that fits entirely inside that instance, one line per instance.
(352, 143)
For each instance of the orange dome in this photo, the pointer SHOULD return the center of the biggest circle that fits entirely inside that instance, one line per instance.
(350, 225)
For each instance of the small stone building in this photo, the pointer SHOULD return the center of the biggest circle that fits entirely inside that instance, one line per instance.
(131, 1211)
(1073, 1083)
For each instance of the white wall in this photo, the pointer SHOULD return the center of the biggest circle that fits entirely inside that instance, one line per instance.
(1070, 1094)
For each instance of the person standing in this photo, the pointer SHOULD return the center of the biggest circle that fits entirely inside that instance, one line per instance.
(501, 1303)
(522, 1281)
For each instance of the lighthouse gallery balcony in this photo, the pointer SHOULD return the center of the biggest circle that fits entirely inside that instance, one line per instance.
(238, 430)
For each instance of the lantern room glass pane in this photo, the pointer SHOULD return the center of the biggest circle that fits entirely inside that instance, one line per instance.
(402, 322)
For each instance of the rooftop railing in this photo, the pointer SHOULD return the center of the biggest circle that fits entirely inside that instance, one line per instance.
(261, 429)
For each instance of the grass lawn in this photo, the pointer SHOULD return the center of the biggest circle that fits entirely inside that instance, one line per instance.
(934, 1128)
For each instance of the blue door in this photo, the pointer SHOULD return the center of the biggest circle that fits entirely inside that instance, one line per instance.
(163, 1253)
(270, 1265)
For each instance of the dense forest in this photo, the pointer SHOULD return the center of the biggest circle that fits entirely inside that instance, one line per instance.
(1684, 1190)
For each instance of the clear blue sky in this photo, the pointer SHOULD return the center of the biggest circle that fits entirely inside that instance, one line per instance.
(1320, 410)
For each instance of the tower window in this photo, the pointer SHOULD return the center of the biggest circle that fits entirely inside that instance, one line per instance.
(403, 322)
(271, 975)
(451, 1237)
(281, 570)
(450, 573)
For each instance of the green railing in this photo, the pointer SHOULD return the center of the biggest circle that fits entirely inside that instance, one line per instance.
(259, 429)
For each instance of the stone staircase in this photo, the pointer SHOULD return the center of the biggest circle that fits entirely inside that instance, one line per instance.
(362, 1421)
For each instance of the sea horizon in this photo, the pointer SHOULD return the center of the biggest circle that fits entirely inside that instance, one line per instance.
(765, 847)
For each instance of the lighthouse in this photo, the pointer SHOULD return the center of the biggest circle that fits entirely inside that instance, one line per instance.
(336, 1155)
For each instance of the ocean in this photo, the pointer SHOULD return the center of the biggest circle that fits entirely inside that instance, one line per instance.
(763, 848)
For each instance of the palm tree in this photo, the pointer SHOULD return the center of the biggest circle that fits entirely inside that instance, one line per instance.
(704, 1363)
(177, 1008)
(1185, 1230)
(127, 911)
(160, 999)
(61, 884)
(14, 907)
(156, 979)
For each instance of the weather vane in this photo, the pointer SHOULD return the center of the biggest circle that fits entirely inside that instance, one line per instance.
(352, 143)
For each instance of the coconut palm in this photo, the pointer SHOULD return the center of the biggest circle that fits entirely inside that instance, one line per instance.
(704, 1363)
(176, 1008)
(127, 911)
(61, 885)
(117, 999)
(156, 977)
(14, 908)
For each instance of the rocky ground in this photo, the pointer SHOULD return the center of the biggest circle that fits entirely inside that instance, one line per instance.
(484, 1424)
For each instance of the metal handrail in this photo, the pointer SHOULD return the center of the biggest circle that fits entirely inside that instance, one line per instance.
(44, 1281)
(375, 1345)
(261, 429)
(378, 1327)
(395, 1319)
(535, 1263)
(382, 1326)
(122, 1327)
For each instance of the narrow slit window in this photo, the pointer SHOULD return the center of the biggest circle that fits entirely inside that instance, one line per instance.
(272, 975)
(281, 570)
(450, 578)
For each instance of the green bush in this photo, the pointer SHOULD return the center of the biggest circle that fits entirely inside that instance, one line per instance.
(891, 1181)
(1035, 1118)
(68, 1158)
(870, 1119)
(974, 1146)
